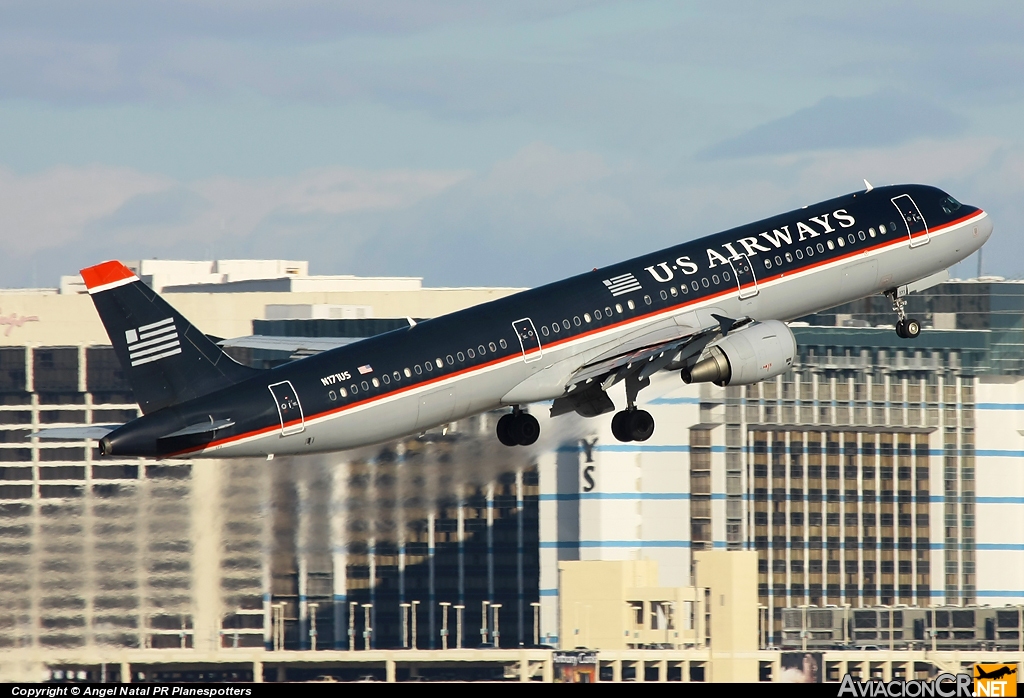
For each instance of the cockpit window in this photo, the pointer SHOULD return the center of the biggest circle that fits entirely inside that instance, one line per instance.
(949, 204)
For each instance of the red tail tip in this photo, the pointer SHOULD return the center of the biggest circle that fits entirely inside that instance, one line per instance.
(106, 273)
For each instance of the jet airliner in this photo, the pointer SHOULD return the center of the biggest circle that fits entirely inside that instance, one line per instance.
(713, 309)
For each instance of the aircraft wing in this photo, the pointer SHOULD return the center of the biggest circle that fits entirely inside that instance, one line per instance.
(636, 361)
(298, 346)
(91, 431)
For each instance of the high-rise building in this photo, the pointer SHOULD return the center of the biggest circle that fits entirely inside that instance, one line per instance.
(877, 471)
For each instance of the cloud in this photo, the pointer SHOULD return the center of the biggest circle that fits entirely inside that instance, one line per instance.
(96, 211)
(880, 119)
(540, 215)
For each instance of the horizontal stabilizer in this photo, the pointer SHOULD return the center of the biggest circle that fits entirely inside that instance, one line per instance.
(201, 428)
(295, 345)
(92, 431)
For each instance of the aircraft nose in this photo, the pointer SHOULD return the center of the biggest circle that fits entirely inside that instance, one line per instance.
(984, 228)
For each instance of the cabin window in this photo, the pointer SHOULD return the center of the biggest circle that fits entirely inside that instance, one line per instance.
(376, 383)
(647, 300)
(555, 328)
(397, 376)
(353, 388)
(892, 227)
(419, 371)
(778, 260)
(862, 236)
(871, 231)
(714, 278)
(767, 263)
(842, 243)
(408, 373)
(491, 345)
(799, 254)
(696, 286)
(461, 357)
(470, 353)
(440, 364)
(597, 314)
(618, 307)
(821, 248)
(608, 311)
(853, 240)
(631, 305)
(810, 251)
(365, 386)
(429, 366)
(386, 379)
(704, 282)
(566, 324)
(881, 229)
(673, 291)
(576, 321)
(684, 289)
(342, 392)
(664, 296)
(586, 317)
(502, 343)
(789, 257)
(332, 395)
(831, 246)
(480, 350)
(725, 275)
(450, 359)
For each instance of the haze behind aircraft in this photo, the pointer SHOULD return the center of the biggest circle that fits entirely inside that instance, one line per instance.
(713, 309)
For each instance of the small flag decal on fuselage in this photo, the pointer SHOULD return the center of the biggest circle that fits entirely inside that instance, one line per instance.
(152, 342)
(625, 283)
(363, 370)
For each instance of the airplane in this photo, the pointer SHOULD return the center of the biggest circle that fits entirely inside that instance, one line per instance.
(713, 309)
(1004, 670)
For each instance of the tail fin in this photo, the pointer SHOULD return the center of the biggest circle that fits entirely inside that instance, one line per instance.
(166, 359)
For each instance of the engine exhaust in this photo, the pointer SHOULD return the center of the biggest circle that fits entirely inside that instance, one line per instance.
(714, 369)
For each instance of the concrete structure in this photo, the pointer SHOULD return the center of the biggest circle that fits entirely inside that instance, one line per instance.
(614, 605)
(733, 613)
(877, 472)
(100, 553)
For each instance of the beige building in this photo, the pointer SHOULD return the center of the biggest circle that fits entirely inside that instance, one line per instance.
(617, 604)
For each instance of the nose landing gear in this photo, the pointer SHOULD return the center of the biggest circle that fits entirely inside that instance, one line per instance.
(518, 428)
(906, 328)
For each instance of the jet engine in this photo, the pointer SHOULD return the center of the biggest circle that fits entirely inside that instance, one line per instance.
(753, 353)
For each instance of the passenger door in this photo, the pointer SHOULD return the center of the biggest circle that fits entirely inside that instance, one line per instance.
(289, 409)
(528, 339)
(746, 281)
(917, 228)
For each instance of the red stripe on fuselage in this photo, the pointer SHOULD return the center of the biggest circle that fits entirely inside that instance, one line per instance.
(893, 242)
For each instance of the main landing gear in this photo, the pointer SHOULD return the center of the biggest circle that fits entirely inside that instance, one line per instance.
(632, 424)
(906, 328)
(518, 428)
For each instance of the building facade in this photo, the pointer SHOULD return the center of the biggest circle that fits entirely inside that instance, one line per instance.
(877, 471)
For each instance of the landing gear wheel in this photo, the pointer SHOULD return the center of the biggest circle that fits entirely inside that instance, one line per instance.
(641, 425)
(901, 332)
(504, 430)
(911, 329)
(525, 429)
(620, 427)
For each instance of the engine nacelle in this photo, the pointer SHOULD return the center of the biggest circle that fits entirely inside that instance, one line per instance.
(748, 355)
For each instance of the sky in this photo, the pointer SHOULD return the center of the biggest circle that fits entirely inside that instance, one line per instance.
(484, 143)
